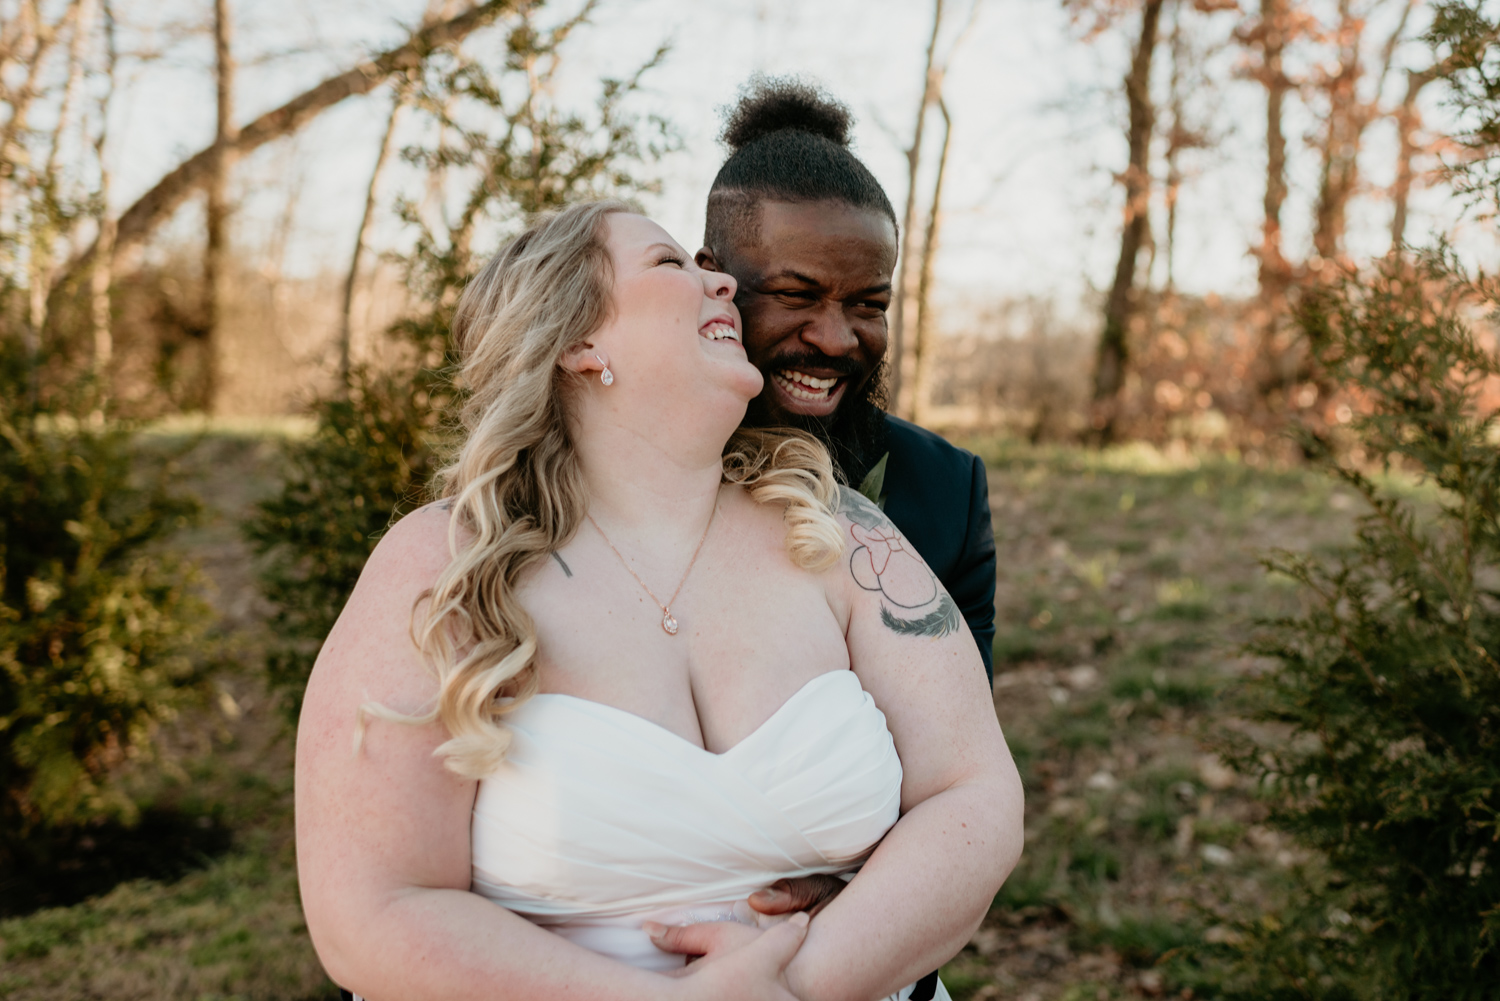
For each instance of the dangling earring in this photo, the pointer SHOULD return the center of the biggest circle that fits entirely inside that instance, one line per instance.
(607, 377)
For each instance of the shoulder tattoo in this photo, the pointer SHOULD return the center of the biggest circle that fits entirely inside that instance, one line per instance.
(912, 600)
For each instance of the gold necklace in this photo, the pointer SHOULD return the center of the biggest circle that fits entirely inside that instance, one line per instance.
(668, 622)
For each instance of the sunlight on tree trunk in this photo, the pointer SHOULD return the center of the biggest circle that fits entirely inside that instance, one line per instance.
(1343, 129)
(1114, 354)
(361, 239)
(46, 235)
(215, 261)
(1408, 122)
(103, 271)
(1271, 35)
(909, 216)
(922, 344)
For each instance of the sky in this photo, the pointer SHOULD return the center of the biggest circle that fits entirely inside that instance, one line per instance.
(1030, 208)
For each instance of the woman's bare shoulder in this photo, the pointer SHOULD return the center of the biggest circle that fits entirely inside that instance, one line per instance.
(372, 636)
(414, 550)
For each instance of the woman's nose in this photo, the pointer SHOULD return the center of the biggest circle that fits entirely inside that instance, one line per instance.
(719, 285)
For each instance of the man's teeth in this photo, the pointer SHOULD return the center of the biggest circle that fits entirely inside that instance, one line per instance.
(802, 386)
(721, 333)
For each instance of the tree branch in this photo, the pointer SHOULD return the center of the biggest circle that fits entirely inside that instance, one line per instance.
(139, 220)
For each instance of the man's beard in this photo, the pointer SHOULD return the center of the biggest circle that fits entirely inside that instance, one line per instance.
(854, 433)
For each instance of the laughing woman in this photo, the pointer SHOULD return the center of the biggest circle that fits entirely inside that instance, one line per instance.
(634, 666)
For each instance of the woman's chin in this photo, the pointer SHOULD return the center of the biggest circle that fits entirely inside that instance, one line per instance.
(746, 381)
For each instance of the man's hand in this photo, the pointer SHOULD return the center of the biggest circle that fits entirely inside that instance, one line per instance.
(806, 893)
(739, 963)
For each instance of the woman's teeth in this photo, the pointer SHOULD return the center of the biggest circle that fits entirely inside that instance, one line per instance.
(721, 333)
(801, 386)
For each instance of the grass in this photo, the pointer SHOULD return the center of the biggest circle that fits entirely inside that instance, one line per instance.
(1130, 579)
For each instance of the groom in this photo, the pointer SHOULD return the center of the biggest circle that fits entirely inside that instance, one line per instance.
(811, 239)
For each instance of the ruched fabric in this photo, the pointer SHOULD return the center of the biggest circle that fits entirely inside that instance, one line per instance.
(599, 820)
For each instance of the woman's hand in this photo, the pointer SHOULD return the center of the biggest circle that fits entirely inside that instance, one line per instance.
(739, 962)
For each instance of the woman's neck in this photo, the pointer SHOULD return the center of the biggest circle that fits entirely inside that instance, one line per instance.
(649, 486)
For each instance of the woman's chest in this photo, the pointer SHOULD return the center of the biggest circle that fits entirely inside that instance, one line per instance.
(752, 629)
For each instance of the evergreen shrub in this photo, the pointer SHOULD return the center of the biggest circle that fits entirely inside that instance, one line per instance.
(99, 627)
(1384, 756)
(367, 462)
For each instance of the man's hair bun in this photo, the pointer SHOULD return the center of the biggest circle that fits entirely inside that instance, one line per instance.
(776, 104)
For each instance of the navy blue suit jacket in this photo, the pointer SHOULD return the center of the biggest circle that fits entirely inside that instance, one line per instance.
(938, 496)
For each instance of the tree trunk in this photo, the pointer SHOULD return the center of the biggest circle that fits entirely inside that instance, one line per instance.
(156, 205)
(1408, 120)
(909, 216)
(1341, 138)
(1113, 353)
(103, 272)
(1275, 274)
(43, 230)
(346, 316)
(78, 36)
(922, 344)
(43, 35)
(1178, 139)
(216, 260)
(1275, 31)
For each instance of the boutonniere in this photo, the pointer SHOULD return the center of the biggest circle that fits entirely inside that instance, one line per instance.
(873, 485)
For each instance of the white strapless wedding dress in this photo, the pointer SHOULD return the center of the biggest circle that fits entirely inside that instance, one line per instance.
(599, 820)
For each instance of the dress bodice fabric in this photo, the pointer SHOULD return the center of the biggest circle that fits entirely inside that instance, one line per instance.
(599, 820)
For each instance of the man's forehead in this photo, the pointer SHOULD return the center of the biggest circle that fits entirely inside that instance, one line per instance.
(824, 242)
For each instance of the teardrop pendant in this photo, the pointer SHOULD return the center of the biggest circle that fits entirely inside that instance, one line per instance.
(607, 377)
(668, 623)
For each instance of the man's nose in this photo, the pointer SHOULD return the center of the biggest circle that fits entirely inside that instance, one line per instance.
(719, 285)
(830, 331)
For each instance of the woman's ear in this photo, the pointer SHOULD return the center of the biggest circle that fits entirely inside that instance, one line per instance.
(584, 359)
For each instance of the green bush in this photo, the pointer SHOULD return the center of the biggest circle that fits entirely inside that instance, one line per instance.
(98, 626)
(367, 462)
(1388, 678)
(1387, 689)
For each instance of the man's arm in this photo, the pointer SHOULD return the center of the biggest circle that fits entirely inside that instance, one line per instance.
(972, 580)
(927, 886)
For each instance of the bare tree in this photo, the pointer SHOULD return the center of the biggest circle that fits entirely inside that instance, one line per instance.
(103, 271)
(914, 274)
(1270, 34)
(1278, 25)
(30, 206)
(1408, 122)
(1113, 352)
(47, 227)
(361, 239)
(217, 203)
(1347, 117)
(138, 221)
(32, 43)
(1181, 136)
(922, 345)
(909, 215)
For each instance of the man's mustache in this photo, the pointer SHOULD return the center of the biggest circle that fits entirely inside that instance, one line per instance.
(814, 360)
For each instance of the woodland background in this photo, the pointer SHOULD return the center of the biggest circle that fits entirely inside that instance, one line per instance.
(1197, 279)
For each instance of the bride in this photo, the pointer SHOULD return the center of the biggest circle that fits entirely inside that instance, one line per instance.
(623, 675)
